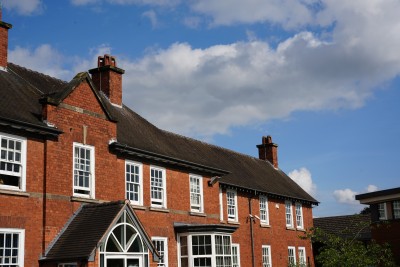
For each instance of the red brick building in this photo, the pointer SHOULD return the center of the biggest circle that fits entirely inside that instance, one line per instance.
(385, 217)
(86, 181)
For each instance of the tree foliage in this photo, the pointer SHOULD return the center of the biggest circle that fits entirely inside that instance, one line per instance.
(339, 251)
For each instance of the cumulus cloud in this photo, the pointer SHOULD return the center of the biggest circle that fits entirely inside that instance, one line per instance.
(201, 92)
(289, 13)
(44, 59)
(303, 178)
(346, 196)
(24, 7)
(371, 188)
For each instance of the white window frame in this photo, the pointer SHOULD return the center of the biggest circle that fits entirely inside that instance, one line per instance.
(288, 214)
(157, 202)
(22, 162)
(299, 215)
(264, 213)
(21, 245)
(164, 261)
(266, 256)
(231, 205)
(396, 209)
(382, 208)
(235, 255)
(212, 256)
(291, 256)
(301, 251)
(130, 182)
(91, 187)
(196, 190)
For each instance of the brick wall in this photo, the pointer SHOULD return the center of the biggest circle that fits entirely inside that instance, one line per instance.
(50, 187)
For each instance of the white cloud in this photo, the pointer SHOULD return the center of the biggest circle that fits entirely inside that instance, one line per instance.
(372, 188)
(84, 2)
(152, 16)
(44, 59)
(201, 92)
(289, 13)
(24, 7)
(346, 196)
(128, 2)
(303, 178)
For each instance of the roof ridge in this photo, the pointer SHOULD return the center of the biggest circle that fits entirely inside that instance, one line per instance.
(38, 73)
(211, 145)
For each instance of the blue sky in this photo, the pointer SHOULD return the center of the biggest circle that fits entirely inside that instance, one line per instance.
(319, 76)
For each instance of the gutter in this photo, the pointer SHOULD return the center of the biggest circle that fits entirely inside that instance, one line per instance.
(30, 127)
(125, 149)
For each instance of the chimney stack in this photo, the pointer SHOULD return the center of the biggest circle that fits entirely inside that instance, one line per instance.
(268, 151)
(108, 78)
(4, 27)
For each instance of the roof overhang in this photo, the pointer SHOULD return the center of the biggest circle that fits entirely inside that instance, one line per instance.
(268, 194)
(132, 151)
(30, 127)
(201, 228)
(379, 196)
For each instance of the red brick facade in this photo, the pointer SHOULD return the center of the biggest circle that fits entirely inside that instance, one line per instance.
(47, 204)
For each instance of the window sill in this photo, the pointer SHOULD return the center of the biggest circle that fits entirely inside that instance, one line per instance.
(290, 228)
(137, 207)
(263, 225)
(159, 209)
(233, 222)
(199, 214)
(301, 229)
(83, 199)
(14, 193)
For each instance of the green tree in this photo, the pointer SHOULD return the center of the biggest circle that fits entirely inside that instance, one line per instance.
(338, 251)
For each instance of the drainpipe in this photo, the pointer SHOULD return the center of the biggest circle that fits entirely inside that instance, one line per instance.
(251, 219)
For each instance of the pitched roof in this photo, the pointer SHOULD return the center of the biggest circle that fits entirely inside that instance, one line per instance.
(23, 88)
(346, 225)
(81, 235)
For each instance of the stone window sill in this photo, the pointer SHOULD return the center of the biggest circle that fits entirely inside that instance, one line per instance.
(83, 199)
(14, 193)
(199, 214)
(159, 209)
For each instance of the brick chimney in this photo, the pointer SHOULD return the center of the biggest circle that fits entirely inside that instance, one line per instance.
(268, 151)
(4, 27)
(108, 78)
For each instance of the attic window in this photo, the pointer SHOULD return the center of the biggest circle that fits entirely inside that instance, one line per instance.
(12, 162)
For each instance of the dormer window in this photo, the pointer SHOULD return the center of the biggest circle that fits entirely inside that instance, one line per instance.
(12, 162)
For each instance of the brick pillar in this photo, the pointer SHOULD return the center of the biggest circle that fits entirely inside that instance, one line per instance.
(108, 78)
(4, 27)
(268, 151)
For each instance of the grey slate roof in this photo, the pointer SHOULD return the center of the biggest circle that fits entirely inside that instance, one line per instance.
(346, 225)
(81, 235)
(23, 88)
(85, 230)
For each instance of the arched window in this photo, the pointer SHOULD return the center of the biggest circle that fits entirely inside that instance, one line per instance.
(123, 246)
